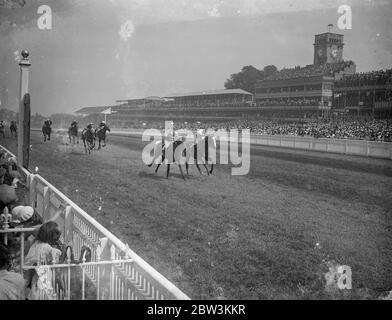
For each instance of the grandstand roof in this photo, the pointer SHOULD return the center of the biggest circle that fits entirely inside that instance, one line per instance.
(211, 92)
(91, 110)
(150, 98)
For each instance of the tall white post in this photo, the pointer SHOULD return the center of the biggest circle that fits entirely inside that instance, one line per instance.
(23, 89)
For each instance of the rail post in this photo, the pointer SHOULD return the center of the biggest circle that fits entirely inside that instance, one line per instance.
(24, 112)
(46, 206)
(68, 225)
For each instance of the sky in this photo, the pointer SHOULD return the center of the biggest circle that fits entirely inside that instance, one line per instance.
(100, 51)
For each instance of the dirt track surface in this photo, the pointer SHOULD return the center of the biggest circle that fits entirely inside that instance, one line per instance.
(267, 235)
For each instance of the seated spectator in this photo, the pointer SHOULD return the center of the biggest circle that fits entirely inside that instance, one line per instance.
(12, 284)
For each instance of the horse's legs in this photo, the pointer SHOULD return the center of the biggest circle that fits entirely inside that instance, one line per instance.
(167, 170)
(187, 168)
(84, 143)
(198, 168)
(156, 169)
(212, 168)
(205, 166)
(182, 173)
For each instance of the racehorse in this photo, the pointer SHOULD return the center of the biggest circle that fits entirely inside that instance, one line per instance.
(47, 129)
(2, 130)
(88, 138)
(172, 144)
(73, 133)
(209, 146)
(13, 128)
(100, 133)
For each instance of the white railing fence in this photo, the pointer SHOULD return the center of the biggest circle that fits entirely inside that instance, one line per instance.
(366, 148)
(132, 278)
(346, 146)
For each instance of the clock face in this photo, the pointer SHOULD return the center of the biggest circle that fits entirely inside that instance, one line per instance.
(320, 52)
(334, 53)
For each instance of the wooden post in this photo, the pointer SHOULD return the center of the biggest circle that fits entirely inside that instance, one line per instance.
(24, 111)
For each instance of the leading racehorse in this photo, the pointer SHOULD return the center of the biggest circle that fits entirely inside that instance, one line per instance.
(88, 138)
(47, 129)
(201, 153)
(14, 128)
(100, 133)
(172, 146)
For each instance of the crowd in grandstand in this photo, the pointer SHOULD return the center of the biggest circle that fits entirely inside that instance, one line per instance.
(363, 129)
(374, 130)
(380, 77)
(289, 102)
(328, 69)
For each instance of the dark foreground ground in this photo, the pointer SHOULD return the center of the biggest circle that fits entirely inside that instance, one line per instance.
(268, 235)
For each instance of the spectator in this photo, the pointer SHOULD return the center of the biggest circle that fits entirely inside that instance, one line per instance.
(44, 250)
(12, 284)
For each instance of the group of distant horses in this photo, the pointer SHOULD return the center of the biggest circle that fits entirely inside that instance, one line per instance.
(13, 129)
(88, 135)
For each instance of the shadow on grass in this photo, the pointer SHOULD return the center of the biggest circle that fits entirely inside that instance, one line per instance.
(160, 176)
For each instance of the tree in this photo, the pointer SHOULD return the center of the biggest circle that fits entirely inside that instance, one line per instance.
(270, 70)
(248, 76)
(12, 4)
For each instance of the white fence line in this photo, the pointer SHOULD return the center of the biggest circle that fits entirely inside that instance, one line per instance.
(364, 148)
(79, 229)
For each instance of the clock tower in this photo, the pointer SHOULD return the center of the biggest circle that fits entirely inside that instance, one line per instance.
(328, 48)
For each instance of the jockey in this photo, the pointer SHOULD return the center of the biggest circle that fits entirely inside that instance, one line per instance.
(103, 125)
(74, 123)
(89, 127)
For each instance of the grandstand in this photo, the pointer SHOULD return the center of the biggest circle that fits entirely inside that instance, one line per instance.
(365, 93)
(330, 87)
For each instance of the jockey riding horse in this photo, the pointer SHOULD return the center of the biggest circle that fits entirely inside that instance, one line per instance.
(73, 132)
(205, 142)
(2, 130)
(13, 128)
(88, 138)
(100, 133)
(168, 146)
(47, 129)
(209, 142)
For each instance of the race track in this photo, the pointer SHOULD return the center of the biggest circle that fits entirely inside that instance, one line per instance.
(267, 235)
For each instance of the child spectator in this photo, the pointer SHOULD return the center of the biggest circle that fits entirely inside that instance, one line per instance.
(42, 251)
